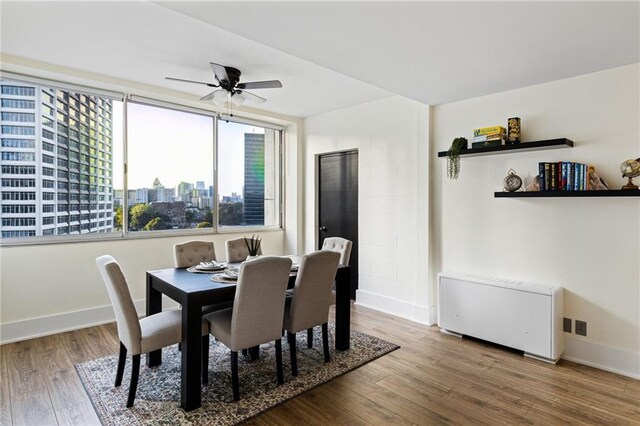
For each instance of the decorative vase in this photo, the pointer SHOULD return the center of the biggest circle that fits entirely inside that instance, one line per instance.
(250, 257)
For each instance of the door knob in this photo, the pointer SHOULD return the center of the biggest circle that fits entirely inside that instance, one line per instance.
(323, 228)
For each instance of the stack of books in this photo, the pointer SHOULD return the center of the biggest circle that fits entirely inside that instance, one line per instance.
(489, 136)
(563, 176)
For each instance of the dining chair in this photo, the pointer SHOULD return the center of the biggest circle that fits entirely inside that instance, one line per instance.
(342, 246)
(257, 313)
(142, 335)
(190, 253)
(309, 303)
(237, 250)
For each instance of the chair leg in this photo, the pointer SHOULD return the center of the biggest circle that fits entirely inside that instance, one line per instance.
(279, 361)
(245, 352)
(254, 351)
(235, 385)
(122, 359)
(135, 371)
(310, 337)
(205, 359)
(325, 342)
(179, 346)
(292, 350)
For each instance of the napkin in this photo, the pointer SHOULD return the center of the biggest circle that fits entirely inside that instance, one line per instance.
(209, 266)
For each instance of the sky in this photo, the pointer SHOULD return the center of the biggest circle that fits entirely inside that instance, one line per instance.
(151, 130)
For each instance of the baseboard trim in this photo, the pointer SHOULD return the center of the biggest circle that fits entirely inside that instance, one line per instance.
(60, 323)
(603, 357)
(400, 308)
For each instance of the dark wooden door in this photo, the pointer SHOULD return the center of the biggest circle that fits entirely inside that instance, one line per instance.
(338, 203)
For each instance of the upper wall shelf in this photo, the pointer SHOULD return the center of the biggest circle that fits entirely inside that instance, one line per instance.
(523, 146)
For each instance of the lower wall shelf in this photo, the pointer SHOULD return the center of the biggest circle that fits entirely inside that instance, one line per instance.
(556, 194)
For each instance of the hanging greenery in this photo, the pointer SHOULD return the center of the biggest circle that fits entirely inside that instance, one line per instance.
(453, 157)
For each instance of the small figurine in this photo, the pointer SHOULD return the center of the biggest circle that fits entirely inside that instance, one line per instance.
(596, 183)
(534, 186)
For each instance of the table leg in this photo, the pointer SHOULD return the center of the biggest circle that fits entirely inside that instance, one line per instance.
(154, 305)
(191, 397)
(343, 308)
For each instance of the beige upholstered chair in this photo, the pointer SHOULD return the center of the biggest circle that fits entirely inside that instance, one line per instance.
(340, 245)
(237, 250)
(143, 335)
(309, 304)
(192, 253)
(257, 313)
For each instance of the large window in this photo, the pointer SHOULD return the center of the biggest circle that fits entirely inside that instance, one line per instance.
(186, 171)
(47, 152)
(170, 169)
(248, 175)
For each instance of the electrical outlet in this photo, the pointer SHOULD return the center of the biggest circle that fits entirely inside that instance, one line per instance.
(566, 325)
(581, 328)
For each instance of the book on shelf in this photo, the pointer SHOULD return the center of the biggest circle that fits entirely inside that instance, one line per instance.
(489, 131)
(563, 176)
(491, 137)
(486, 144)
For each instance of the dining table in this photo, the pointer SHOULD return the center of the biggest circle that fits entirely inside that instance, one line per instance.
(194, 290)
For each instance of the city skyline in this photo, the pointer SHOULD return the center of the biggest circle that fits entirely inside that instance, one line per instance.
(164, 127)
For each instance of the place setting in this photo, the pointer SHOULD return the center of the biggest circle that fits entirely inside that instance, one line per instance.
(208, 267)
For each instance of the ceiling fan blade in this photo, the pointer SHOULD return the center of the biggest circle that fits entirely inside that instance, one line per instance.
(209, 96)
(219, 71)
(252, 98)
(268, 84)
(191, 81)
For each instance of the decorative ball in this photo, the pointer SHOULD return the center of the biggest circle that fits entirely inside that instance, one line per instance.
(630, 168)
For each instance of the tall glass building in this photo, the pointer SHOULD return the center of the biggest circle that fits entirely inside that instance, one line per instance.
(253, 179)
(57, 162)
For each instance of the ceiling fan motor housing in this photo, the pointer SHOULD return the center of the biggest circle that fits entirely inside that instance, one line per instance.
(234, 78)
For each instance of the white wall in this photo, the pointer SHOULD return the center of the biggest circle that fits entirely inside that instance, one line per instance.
(54, 287)
(589, 246)
(391, 137)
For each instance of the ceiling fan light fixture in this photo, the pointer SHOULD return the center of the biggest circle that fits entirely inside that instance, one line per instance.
(238, 98)
(219, 98)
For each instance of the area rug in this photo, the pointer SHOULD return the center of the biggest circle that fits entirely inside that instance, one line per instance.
(158, 396)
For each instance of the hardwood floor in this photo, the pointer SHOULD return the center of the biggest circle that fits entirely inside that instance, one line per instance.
(433, 379)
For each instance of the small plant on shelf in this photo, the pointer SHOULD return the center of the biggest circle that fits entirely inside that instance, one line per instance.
(453, 157)
(253, 244)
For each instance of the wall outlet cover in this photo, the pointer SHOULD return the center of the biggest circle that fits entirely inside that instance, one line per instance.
(581, 328)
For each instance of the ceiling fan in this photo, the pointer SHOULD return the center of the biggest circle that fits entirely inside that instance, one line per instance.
(230, 88)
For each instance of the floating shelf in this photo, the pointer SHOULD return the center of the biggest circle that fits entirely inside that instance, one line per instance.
(517, 147)
(557, 194)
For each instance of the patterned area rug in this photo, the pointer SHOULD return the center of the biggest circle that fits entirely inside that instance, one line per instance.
(158, 397)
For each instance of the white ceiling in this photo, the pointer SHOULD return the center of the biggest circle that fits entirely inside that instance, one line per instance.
(331, 55)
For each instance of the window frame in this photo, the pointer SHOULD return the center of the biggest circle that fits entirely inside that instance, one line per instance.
(124, 233)
(280, 171)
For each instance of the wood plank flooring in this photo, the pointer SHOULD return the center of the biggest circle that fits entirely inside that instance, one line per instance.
(433, 379)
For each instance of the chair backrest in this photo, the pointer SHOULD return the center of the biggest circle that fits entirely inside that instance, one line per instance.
(192, 253)
(127, 321)
(340, 245)
(237, 250)
(258, 307)
(312, 291)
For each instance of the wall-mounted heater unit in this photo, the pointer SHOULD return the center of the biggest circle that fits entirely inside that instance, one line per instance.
(523, 316)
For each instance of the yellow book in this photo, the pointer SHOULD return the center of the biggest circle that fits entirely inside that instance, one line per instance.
(489, 130)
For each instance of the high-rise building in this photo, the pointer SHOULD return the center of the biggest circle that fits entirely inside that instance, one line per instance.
(253, 195)
(57, 156)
